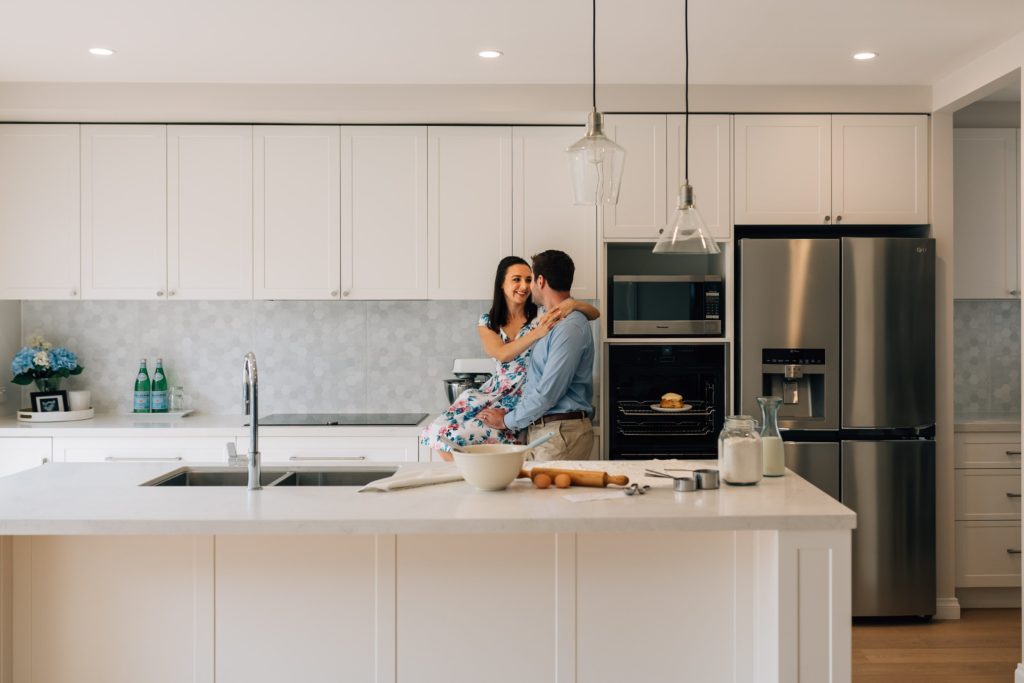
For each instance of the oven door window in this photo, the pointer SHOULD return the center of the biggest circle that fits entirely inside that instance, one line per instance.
(657, 301)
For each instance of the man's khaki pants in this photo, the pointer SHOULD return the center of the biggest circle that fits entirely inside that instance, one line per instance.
(572, 440)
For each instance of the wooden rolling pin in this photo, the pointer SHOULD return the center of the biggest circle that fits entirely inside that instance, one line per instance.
(579, 477)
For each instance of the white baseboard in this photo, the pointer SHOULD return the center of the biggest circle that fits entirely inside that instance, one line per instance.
(986, 598)
(1018, 676)
(948, 608)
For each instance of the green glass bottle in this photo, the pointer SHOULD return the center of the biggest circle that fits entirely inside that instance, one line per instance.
(158, 397)
(141, 403)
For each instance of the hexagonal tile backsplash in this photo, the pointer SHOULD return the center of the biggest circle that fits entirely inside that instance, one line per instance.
(314, 356)
(986, 359)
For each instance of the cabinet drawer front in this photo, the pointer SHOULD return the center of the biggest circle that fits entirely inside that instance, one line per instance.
(983, 557)
(328, 450)
(998, 450)
(29, 447)
(183, 449)
(987, 494)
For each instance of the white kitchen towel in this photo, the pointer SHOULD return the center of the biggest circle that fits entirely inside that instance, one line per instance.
(408, 480)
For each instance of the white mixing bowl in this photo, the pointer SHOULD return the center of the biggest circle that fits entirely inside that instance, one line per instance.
(490, 467)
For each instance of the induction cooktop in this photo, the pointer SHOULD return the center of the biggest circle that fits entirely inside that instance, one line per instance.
(342, 419)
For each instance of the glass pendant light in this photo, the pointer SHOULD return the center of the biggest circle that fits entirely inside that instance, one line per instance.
(687, 233)
(595, 162)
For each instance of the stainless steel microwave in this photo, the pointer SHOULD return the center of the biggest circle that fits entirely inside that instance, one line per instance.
(667, 305)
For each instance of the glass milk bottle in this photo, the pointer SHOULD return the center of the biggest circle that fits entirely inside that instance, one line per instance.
(772, 450)
(739, 451)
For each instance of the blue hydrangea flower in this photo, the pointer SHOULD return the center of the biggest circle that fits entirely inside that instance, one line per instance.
(23, 361)
(62, 359)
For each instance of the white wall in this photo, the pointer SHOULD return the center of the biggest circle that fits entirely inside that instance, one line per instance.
(988, 115)
(221, 103)
(10, 342)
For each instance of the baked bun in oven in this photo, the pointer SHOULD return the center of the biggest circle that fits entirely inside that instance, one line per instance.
(671, 400)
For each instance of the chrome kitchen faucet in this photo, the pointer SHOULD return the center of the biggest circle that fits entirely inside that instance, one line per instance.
(250, 397)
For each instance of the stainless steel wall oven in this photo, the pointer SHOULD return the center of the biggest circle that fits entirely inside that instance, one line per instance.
(638, 374)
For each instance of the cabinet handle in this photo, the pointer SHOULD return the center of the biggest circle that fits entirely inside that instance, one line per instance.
(1013, 452)
(321, 458)
(74, 292)
(135, 458)
(828, 219)
(334, 292)
(170, 293)
(45, 460)
(1012, 495)
(1011, 551)
(839, 219)
(1013, 292)
(345, 293)
(159, 292)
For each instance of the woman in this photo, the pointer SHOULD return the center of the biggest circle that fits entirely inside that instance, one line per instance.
(507, 333)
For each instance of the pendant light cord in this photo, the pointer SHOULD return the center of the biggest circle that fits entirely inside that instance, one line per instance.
(686, 88)
(593, 55)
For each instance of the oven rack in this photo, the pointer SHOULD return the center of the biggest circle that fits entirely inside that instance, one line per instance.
(643, 409)
(656, 429)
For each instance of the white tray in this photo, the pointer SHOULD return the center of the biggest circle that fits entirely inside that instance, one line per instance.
(159, 416)
(66, 416)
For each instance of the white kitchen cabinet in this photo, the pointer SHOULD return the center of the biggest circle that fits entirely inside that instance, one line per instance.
(986, 213)
(124, 212)
(820, 169)
(334, 450)
(141, 449)
(39, 211)
(147, 614)
(543, 214)
(383, 212)
(987, 509)
(710, 168)
(469, 200)
(783, 172)
(209, 212)
(296, 217)
(18, 453)
(643, 196)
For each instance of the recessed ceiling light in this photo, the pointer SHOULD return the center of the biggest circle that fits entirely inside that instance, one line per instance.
(101, 51)
(490, 54)
(865, 55)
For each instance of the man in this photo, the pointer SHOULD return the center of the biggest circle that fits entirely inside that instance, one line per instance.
(559, 382)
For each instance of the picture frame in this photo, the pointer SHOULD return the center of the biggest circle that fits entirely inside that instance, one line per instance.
(49, 401)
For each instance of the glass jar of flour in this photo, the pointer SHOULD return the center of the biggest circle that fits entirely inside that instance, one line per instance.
(739, 451)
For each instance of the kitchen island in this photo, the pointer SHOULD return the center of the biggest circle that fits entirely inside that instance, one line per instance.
(105, 580)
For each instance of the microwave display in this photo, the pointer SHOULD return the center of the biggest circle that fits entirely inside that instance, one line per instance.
(666, 305)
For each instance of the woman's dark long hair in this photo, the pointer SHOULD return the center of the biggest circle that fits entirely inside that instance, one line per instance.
(499, 308)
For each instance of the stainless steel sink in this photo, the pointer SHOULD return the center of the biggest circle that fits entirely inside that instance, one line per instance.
(223, 476)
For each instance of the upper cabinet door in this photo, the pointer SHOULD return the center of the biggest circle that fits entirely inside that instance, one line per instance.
(209, 212)
(124, 212)
(384, 212)
(880, 170)
(469, 203)
(986, 226)
(297, 234)
(640, 212)
(783, 170)
(543, 214)
(710, 168)
(39, 211)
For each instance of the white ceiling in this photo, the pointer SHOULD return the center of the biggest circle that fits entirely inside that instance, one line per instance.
(739, 42)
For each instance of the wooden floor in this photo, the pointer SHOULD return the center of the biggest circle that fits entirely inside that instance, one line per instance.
(984, 645)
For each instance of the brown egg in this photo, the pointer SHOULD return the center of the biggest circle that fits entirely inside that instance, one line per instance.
(542, 481)
(563, 480)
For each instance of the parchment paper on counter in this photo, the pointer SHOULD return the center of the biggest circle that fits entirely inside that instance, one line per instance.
(408, 480)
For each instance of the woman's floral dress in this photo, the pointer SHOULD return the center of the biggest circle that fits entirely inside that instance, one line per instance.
(503, 390)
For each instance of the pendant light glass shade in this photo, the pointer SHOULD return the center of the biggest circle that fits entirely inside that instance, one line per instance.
(595, 163)
(687, 233)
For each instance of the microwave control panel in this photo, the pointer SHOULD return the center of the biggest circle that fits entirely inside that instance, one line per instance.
(712, 301)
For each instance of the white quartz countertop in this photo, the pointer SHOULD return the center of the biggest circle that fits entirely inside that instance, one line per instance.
(193, 425)
(993, 424)
(105, 498)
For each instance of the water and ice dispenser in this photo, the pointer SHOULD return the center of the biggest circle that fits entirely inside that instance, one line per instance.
(798, 376)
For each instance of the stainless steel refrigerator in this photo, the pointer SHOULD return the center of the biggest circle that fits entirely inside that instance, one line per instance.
(844, 330)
